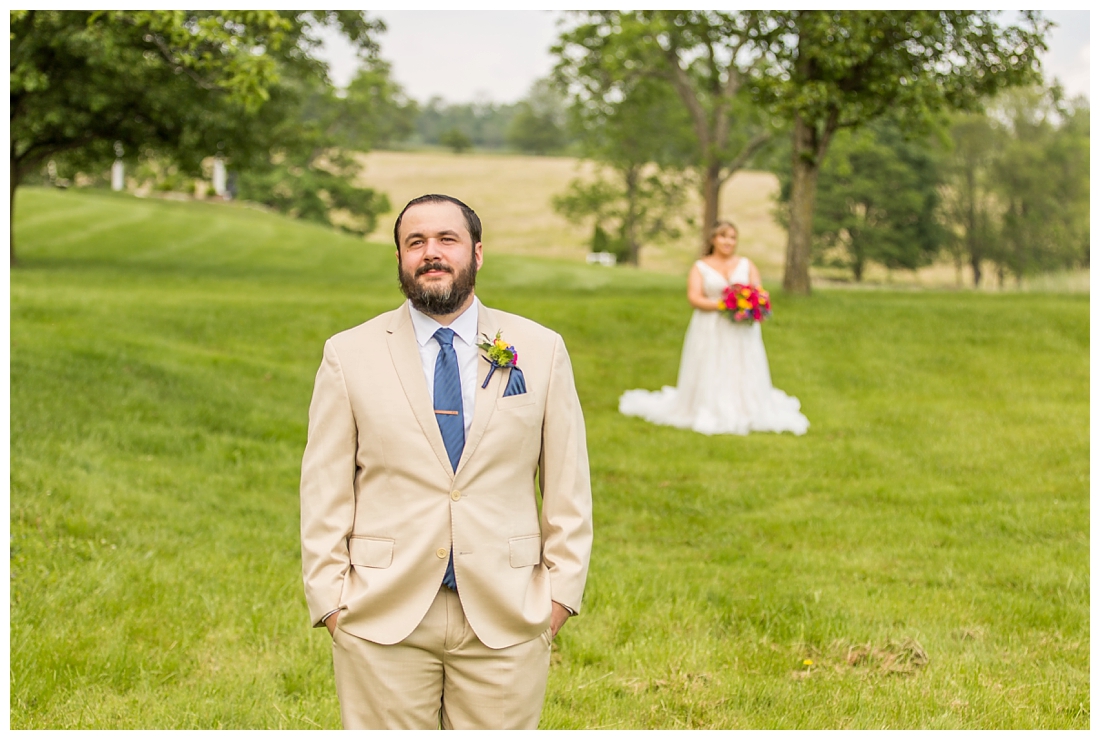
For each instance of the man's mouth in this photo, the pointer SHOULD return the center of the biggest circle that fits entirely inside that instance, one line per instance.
(433, 268)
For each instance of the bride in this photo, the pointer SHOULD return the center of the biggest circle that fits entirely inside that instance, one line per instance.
(724, 386)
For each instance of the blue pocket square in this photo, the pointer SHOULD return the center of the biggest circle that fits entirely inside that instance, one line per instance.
(516, 383)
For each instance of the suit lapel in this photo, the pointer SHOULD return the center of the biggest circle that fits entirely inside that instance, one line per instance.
(485, 399)
(406, 361)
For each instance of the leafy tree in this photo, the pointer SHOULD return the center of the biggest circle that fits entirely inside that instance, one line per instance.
(837, 69)
(312, 131)
(538, 125)
(705, 57)
(173, 83)
(319, 192)
(374, 111)
(455, 140)
(642, 206)
(644, 144)
(969, 204)
(1042, 178)
(1073, 153)
(878, 201)
(485, 124)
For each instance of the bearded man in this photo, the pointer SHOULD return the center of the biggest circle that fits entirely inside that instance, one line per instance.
(424, 551)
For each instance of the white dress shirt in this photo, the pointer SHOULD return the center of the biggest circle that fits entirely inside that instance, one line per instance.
(465, 344)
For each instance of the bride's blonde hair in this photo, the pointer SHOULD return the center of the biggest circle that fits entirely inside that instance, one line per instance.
(719, 226)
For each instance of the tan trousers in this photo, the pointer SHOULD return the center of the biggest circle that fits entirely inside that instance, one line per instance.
(440, 676)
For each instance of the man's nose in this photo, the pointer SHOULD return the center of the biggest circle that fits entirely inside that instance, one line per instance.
(432, 249)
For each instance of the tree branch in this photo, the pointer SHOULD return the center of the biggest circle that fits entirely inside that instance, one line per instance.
(41, 151)
(170, 57)
(733, 81)
(832, 123)
(682, 84)
(729, 91)
(751, 148)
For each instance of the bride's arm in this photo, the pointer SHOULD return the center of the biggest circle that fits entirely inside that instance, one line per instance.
(695, 292)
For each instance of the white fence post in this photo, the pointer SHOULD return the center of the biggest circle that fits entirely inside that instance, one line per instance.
(607, 259)
(118, 176)
(219, 176)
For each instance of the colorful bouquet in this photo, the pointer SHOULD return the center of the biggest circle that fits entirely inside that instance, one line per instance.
(745, 303)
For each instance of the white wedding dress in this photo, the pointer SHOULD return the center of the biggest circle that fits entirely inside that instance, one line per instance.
(725, 386)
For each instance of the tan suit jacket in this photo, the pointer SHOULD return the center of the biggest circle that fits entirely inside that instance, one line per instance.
(382, 508)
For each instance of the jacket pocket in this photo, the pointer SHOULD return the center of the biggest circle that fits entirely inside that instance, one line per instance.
(370, 552)
(525, 551)
(511, 402)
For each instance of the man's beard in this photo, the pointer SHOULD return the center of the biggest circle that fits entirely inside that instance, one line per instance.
(438, 299)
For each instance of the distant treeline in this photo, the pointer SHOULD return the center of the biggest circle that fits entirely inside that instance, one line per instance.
(483, 125)
(537, 124)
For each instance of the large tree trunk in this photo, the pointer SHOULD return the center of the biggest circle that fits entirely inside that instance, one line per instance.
(630, 220)
(973, 246)
(859, 259)
(712, 184)
(805, 164)
(975, 261)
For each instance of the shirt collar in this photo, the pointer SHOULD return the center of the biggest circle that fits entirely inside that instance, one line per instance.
(465, 326)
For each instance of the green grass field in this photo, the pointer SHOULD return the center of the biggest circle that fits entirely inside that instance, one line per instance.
(920, 559)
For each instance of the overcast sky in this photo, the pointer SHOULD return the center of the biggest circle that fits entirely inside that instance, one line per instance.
(495, 55)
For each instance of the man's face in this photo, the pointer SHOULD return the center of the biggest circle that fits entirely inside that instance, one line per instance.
(437, 261)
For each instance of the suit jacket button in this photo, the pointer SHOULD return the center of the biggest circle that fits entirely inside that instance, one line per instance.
(456, 495)
(441, 553)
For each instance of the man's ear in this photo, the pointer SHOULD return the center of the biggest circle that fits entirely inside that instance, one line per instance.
(477, 254)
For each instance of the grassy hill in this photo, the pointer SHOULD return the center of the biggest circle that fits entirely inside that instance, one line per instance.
(920, 559)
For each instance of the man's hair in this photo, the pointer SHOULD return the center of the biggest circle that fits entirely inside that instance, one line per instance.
(473, 223)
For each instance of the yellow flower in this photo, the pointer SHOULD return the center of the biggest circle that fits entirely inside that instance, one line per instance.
(807, 662)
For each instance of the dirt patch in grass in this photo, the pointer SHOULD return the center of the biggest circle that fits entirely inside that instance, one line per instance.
(902, 657)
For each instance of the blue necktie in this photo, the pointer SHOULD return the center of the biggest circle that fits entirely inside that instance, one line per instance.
(448, 414)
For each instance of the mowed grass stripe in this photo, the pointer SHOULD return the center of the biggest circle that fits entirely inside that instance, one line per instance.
(925, 545)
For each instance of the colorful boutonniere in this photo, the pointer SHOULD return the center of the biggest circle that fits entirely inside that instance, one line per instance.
(499, 354)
